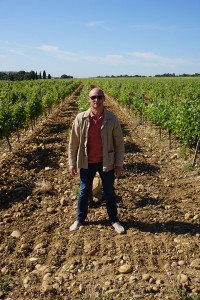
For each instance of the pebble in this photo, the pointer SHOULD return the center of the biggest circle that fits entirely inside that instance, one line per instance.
(174, 156)
(60, 279)
(112, 291)
(33, 259)
(47, 168)
(167, 266)
(176, 240)
(181, 263)
(196, 217)
(155, 289)
(138, 296)
(4, 270)
(92, 252)
(195, 264)
(124, 269)
(51, 210)
(159, 281)
(152, 280)
(16, 234)
(46, 276)
(133, 279)
(146, 277)
(39, 246)
(174, 264)
(107, 283)
(43, 268)
(182, 278)
(26, 280)
(46, 287)
(7, 215)
(188, 216)
(63, 201)
(24, 247)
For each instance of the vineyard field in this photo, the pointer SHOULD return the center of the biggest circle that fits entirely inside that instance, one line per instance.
(158, 202)
(170, 103)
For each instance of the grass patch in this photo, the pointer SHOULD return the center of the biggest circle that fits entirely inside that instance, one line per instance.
(4, 284)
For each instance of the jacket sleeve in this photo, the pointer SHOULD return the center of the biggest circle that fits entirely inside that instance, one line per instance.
(118, 141)
(74, 141)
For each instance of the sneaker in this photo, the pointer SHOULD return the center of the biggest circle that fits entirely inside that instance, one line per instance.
(118, 227)
(75, 226)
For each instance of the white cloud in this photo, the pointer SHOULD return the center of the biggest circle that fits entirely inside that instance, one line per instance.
(11, 50)
(65, 55)
(101, 24)
(18, 52)
(108, 59)
(154, 59)
(143, 62)
(139, 58)
(48, 48)
(115, 59)
(146, 60)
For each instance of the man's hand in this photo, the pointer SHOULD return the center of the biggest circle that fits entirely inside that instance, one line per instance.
(118, 171)
(72, 170)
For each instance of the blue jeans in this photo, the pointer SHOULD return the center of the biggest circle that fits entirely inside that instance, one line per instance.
(86, 180)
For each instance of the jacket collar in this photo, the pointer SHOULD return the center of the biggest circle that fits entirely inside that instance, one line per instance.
(106, 114)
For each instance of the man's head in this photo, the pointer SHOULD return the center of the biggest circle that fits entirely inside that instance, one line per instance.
(96, 98)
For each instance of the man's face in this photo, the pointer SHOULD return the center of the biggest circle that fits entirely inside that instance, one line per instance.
(96, 99)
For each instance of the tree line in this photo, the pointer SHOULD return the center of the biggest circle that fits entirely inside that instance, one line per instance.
(22, 75)
(32, 75)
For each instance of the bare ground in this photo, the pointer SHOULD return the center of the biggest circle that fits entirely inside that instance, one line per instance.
(158, 198)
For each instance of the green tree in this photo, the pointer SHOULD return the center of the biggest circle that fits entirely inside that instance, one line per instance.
(20, 75)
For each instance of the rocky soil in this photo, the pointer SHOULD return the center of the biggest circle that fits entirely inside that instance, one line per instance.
(158, 199)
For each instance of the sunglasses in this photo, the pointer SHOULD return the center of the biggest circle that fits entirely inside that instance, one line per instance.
(98, 97)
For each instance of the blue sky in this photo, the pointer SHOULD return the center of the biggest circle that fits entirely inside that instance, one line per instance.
(88, 38)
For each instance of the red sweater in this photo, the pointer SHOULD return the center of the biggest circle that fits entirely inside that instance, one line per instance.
(94, 143)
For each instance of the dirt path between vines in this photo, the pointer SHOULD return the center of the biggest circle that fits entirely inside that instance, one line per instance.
(158, 200)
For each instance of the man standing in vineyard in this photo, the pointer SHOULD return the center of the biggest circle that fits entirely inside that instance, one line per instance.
(96, 145)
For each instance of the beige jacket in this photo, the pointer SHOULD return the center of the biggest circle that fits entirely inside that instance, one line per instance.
(112, 139)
